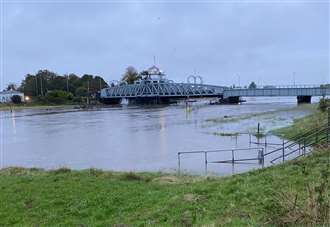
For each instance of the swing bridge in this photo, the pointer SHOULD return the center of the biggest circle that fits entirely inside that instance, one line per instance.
(160, 90)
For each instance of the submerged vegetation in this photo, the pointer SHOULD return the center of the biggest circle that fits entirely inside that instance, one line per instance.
(300, 126)
(225, 133)
(227, 119)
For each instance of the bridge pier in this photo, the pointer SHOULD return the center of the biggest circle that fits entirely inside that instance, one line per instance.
(111, 101)
(230, 100)
(150, 100)
(304, 99)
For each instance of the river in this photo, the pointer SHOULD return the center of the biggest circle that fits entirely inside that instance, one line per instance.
(131, 138)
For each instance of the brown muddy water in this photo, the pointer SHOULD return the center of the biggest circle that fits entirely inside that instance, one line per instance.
(131, 138)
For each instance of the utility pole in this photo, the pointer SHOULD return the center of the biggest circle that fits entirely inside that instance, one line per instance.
(67, 83)
(42, 92)
(36, 80)
(88, 92)
(294, 79)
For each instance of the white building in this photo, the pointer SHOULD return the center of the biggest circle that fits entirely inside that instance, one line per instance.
(5, 96)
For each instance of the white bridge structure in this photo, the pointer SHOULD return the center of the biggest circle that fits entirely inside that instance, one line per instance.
(159, 90)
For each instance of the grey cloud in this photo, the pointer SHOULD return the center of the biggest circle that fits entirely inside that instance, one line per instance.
(258, 41)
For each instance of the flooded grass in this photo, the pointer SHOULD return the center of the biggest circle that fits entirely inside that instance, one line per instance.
(266, 114)
(225, 133)
(315, 120)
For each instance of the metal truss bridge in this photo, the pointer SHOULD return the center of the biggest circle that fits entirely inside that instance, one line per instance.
(166, 90)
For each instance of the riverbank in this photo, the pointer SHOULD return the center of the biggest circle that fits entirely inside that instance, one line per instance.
(299, 126)
(277, 195)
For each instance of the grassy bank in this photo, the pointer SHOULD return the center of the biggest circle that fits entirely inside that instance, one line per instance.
(278, 195)
(316, 120)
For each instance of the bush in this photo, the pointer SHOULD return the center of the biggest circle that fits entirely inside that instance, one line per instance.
(16, 99)
(81, 91)
(58, 97)
(324, 104)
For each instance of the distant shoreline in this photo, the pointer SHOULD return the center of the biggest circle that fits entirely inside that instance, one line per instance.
(6, 107)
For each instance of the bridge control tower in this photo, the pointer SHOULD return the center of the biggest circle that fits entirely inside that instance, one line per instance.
(152, 75)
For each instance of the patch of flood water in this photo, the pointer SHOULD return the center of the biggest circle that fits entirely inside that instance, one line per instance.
(139, 138)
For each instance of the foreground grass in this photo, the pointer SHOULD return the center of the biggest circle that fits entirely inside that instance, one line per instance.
(32, 197)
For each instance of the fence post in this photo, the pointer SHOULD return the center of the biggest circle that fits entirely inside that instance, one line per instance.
(205, 156)
(328, 140)
(283, 151)
(179, 164)
(232, 156)
(263, 157)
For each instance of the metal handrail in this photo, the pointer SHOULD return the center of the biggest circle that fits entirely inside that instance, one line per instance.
(297, 142)
(220, 150)
(260, 157)
(305, 139)
(306, 133)
(279, 86)
(298, 149)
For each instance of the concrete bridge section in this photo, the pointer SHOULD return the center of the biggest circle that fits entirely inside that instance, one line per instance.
(303, 93)
(158, 91)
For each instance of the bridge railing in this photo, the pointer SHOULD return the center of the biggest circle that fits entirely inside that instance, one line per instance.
(280, 86)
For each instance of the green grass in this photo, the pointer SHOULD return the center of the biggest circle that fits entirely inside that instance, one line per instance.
(64, 197)
(316, 120)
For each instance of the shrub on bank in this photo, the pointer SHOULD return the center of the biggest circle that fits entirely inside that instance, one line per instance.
(324, 104)
(56, 97)
(16, 99)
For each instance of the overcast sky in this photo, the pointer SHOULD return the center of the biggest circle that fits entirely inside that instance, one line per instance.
(221, 41)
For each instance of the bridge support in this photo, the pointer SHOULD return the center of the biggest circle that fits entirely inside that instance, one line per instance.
(304, 99)
(111, 101)
(150, 101)
(230, 100)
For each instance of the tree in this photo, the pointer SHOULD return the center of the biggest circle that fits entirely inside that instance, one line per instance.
(11, 87)
(252, 85)
(81, 92)
(45, 81)
(16, 99)
(131, 75)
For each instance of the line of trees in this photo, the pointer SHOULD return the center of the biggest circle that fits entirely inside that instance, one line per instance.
(45, 81)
